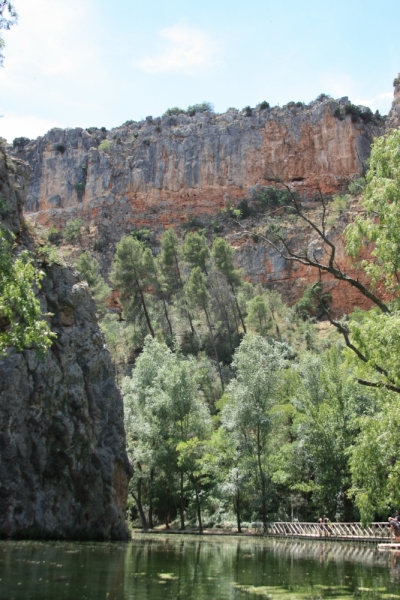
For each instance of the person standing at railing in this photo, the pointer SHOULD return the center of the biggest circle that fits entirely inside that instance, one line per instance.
(327, 526)
(321, 526)
(394, 523)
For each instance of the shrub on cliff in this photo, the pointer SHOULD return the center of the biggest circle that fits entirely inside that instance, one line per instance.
(21, 321)
(191, 110)
(105, 146)
(20, 142)
(199, 108)
(89, 268)
(73, 230)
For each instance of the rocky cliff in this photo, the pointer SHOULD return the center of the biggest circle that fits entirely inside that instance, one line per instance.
(64, 471)
(172, 170)
(160, 171)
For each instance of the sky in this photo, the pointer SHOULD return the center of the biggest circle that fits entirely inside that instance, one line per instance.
(86, 63)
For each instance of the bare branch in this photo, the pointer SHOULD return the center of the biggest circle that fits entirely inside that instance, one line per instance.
(380, 384)
(331, 267)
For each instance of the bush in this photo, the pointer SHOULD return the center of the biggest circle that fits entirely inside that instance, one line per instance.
(323, 97)
(366, 115)
(105, 146)
(191, 110)
(143, 235)
(396, 81)
(337, 113)
(192, 222)
(199, 108)
(91, 130)
(299, 104)
(357, 186)
(175, 110)
(146, 142)
(244, 209)
(248, 111)
(312, 301)
(263, 105)
(352, 110)
(270, 197)
(20, 142)
(72, 230)
(99, 245)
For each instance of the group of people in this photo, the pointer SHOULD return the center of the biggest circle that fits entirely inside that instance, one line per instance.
(325, 526)
(394, 523)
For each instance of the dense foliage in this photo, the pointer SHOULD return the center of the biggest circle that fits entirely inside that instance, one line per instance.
(22, 325)
(240, 408)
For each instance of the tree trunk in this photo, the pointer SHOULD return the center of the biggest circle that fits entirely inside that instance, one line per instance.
(238, 308)
(151, 524)
(215, 349)
(146, 314)
(167, 317)
(138, 500)
(237, 507)
(182, 505)
(181, 282)
(198, 509)
(263, 490)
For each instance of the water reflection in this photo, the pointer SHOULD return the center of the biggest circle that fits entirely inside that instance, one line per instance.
(186, 567)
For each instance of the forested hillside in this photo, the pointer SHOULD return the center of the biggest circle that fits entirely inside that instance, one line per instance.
(240, 408)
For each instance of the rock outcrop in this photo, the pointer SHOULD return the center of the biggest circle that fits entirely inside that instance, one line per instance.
(161, 171)
(64, 471)
(393, 119)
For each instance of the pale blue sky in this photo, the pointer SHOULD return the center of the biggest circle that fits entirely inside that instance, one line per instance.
(92, 62)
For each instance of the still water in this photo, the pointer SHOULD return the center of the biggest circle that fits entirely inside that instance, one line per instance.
(187, 567)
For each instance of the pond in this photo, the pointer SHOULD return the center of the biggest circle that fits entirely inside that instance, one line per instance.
(188, 567)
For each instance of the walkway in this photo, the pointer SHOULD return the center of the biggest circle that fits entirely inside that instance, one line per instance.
(375, 532)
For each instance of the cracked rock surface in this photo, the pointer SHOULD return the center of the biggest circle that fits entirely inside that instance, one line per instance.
(64, 471)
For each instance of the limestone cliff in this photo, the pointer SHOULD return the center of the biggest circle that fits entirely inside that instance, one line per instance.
(64, 471)
(165, 171)
(160, 171)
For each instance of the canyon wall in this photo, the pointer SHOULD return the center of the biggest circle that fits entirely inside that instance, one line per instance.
(169, 171)
(64, 471)
(160, 171)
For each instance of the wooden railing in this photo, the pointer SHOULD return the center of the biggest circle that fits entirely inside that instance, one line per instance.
(351, 531)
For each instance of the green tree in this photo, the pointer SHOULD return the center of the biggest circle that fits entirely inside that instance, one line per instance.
(329, 404)
(132, 274)
(251, 396)
(21, 320)
(169, 264)
(163, 408)
(198, 297)
(195, 251)
(374, 460)
(73, 230)
(224, 254)
(258, 317)
(89, 268)
(8, 17)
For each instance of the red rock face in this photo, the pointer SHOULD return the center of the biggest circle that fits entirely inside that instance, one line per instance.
(159, 171)
(162, 172)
